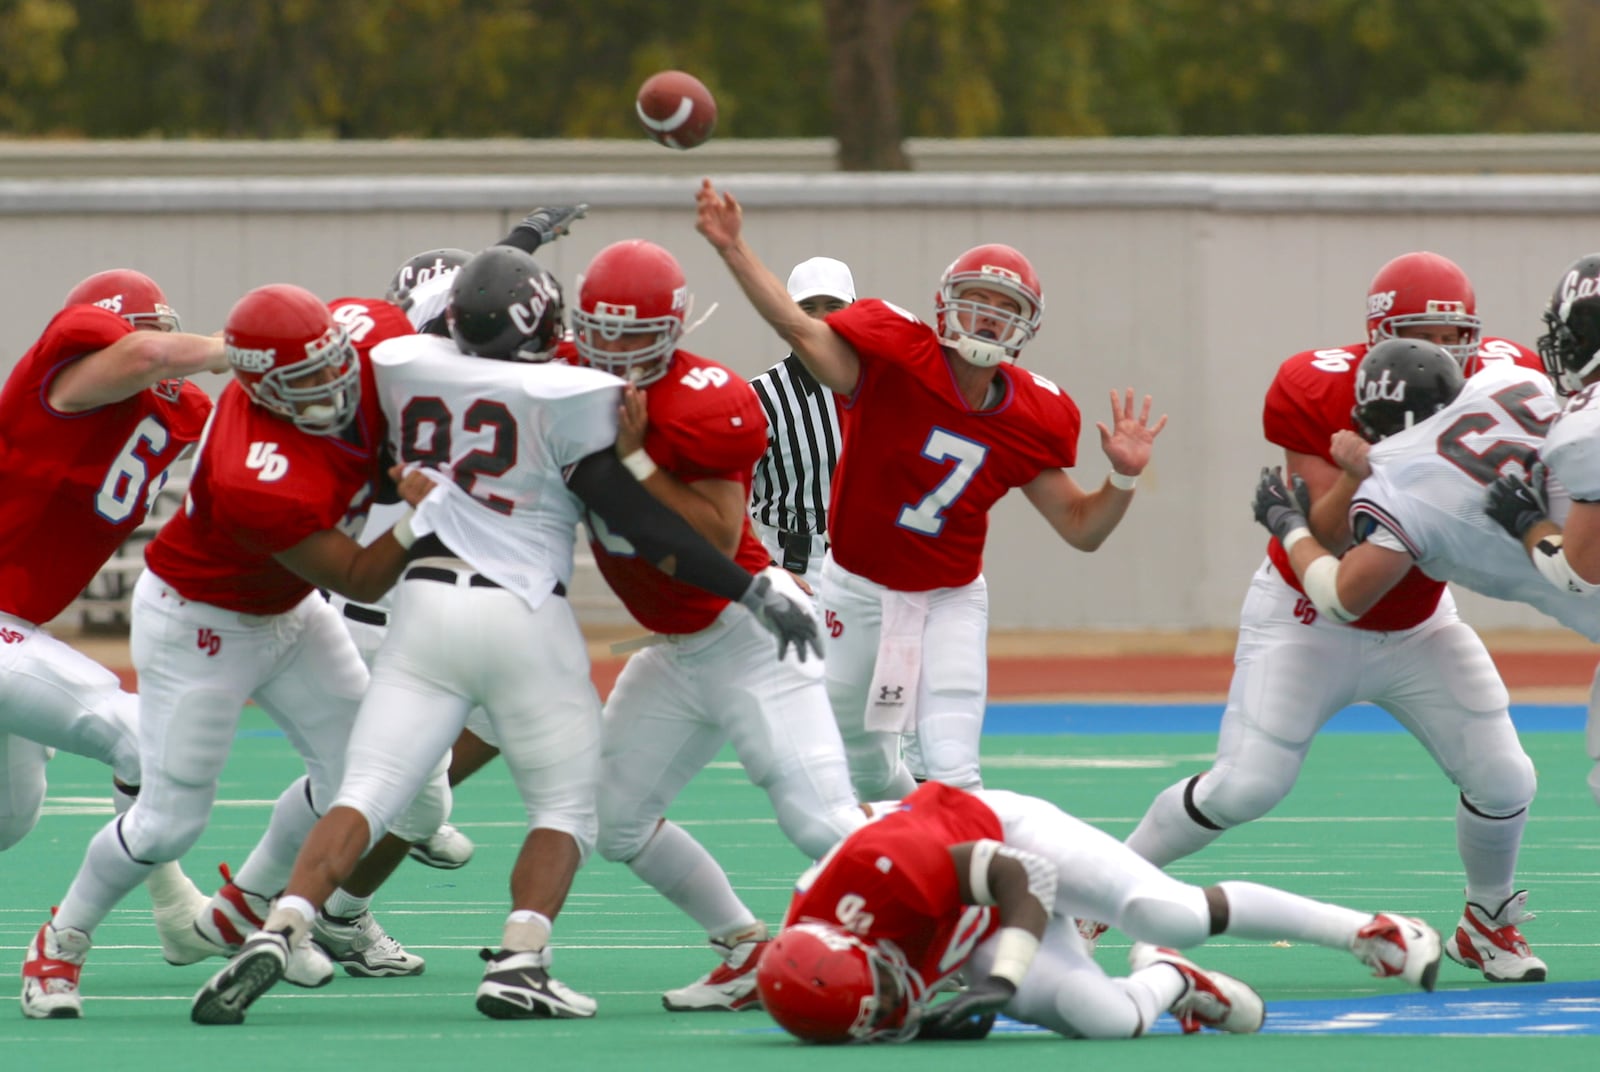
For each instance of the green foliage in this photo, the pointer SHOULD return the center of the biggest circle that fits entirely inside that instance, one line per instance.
(551, 68)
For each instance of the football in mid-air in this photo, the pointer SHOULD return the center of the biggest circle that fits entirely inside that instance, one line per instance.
(676, 109)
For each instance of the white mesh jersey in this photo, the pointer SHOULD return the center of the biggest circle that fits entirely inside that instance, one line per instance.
(500, 433)
(1426, 493)
(1572, 449)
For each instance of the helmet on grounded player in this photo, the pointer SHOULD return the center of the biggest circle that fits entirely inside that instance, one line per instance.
(293, 359)
(1401, 382)
(823, 984)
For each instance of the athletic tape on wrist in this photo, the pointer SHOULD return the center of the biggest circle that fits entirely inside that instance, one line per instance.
(640, 464)
(1121, 482)
(402, 532)
(1014, 949)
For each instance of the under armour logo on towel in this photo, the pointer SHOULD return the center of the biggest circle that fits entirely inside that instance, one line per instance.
(891, 695)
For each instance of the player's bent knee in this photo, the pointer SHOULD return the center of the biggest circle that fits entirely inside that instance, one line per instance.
(1232, 797)
(813, 835)
(1179, 921)
(13, 828)
(582, 826)
(162, 838)
(1506, 789)
(620, 841)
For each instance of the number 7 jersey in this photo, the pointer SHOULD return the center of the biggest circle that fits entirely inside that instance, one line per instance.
(1427, 489)
(78, 484)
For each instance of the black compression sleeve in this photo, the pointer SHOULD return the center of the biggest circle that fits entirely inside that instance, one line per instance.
(655, 530)
(523, 238)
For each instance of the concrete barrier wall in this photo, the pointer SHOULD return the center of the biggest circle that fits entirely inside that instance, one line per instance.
(1191, 286)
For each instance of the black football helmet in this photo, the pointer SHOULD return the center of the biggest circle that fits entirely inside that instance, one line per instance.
(504, 305)
(1571, 346)
(429, 264)
(1401, 382)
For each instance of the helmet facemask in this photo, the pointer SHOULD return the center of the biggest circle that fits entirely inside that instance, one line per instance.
(1440, 313)
(320, 393)
(609, 323)
(986, 347)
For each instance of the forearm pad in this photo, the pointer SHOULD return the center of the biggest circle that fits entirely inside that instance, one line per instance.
(1550, 559)
(655, 530)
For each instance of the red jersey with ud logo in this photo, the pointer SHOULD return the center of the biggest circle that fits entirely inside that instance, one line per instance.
(1310, 399)
(261, 486)
(706, 423)
(919, 468)
(77, 484)
(893, 879)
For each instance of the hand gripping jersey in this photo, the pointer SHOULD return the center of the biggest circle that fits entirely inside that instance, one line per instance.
(501, 433)
(1309, 400)
(1427, 489)
(261, 486)
(919, 468)
(77, 484)
(893, 880)
(705, 424)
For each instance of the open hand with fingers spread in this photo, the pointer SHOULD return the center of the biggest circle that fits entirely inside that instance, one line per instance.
(717, 216)
(1128, 442)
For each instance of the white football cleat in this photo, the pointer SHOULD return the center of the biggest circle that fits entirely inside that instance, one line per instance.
(729, 987)
(447, 849)
(50, 971)
(363, 947)
(519, 986)
(1490, 942)
(1394, 945)
(1210, 998)
(258, 968)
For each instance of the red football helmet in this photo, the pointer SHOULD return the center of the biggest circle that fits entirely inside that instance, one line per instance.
(291, 357)
(632, 289)
(991, 267)
(1422, 288)
(823, 984)
(132, 295)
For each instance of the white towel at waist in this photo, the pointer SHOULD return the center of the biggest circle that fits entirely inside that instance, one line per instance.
(892, 701)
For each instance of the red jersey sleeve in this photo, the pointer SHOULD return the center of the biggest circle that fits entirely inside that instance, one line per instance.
(706, 423)
(1311, 398)
(882, 331)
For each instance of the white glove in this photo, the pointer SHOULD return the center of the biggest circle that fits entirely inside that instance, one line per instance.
(789, 616)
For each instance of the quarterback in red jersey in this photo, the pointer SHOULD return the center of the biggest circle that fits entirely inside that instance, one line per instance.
(989, 881)
(938, 423)
(91, 419)
(692, 431)
(227, 612)
(1302, 657)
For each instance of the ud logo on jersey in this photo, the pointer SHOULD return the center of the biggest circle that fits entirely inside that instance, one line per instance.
(265, 457)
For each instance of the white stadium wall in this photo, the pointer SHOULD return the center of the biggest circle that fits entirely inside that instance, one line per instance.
(1191, 286)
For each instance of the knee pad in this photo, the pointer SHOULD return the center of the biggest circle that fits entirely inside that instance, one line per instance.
(159, 838)
(622, 834)
(1232, 796)
(426, 812)
(948, 762)
(1171, 918)
(16, 826)
(582, 826)
(1504, 788)
(815, 835)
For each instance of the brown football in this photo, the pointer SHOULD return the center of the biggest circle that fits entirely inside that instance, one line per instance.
(676, 109)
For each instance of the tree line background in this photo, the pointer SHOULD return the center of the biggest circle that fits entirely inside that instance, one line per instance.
(866, 72)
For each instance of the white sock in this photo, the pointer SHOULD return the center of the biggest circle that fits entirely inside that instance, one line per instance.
(267, 869)
(293, 914)
(526, 931)
(683, 872)
(1256, 911)
(107, 875)
(1488, 849)
(1167, 833)
(168, 885)
(342, 905)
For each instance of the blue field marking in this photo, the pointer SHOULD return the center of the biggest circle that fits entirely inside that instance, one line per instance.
(1529, 1010)
(1090, 718)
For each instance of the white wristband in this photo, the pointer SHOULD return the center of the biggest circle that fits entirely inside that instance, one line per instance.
(402, 533)
(1294, 536)
(640, 464)
(1123, 483)
(1014, 949)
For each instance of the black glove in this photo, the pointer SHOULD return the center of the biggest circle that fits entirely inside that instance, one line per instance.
(1515, 504)
(969, 1014)
(1278, 510)
(788, 617)
(552, 221)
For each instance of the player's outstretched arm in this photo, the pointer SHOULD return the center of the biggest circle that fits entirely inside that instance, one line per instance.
(1084, 519)
(543, 226)
(826, 355)
(138, 360)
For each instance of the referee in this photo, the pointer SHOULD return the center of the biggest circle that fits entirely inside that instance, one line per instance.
(789, 492)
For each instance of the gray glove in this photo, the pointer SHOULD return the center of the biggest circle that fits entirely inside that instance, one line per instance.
(1517, 505)
(552, 221)
(1278, 510)
(788, 617)
(970, 1014)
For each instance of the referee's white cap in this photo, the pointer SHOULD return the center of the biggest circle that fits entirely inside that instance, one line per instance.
(824, 277)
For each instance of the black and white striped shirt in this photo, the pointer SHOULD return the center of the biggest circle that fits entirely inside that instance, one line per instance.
(790, 487)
